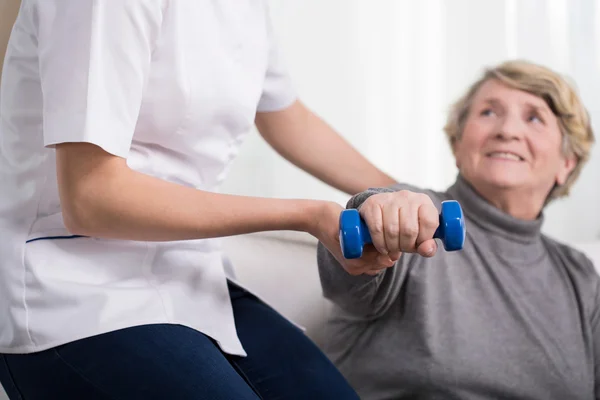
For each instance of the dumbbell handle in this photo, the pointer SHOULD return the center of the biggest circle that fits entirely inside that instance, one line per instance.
(354, 232)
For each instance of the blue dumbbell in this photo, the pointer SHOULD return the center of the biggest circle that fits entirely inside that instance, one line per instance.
(354, 233)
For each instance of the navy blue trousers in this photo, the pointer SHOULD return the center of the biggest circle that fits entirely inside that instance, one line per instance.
(166, 361)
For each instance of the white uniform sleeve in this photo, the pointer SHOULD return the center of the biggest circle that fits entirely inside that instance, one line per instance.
(278, 91)
(94, 58)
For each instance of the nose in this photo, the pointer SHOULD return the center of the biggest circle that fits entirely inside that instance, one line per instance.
(510, 128)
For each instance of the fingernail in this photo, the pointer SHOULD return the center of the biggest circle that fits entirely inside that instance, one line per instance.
(429, 251)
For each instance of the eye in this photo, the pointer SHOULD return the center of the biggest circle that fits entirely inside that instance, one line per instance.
(488, 112)
(534, 117)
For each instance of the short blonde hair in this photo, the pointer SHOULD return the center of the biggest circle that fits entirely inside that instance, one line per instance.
(559, 95)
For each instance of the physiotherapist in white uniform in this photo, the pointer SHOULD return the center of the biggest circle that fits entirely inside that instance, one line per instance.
(118, 122)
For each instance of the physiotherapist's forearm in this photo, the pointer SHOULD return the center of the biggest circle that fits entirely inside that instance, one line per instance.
(102, 197)
(311, 144)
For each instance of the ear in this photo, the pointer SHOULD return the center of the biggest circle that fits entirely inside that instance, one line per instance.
(566, 167)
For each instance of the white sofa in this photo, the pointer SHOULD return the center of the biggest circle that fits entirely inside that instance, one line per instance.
(284, 273)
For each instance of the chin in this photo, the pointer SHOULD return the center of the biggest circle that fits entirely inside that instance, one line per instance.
(503, 174)
(498, 178)
(503, 181)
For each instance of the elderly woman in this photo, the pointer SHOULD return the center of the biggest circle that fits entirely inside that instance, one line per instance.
(515, 314)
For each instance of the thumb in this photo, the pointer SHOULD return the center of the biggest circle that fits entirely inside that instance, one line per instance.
(428, 248)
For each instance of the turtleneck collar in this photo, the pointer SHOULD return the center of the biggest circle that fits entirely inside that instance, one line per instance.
(490, 218)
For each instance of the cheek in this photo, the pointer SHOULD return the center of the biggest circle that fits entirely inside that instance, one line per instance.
(466, 153)
(476, 130)
(546, 150)
(472, 139)
(545, 144)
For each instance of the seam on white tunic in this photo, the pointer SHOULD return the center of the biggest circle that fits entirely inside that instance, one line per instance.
(146, 266)
(24, 265)
(24, 292)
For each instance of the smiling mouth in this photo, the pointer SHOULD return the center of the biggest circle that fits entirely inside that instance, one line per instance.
(505, 156)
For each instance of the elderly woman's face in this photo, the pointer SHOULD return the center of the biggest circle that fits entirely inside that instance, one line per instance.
(511, 140)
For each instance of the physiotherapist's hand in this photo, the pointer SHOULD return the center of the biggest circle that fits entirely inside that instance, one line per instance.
(326, 229)
(401, 221)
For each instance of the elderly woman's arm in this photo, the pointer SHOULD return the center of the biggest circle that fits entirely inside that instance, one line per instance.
(364, 295)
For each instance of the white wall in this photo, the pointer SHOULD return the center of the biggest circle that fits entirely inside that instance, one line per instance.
(8, 14)
(384, 73)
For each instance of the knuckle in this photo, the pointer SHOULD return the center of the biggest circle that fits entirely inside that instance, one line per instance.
(423, 198)
(385, 195)
(368, 202)
(410, 231)
(392, 229)
(430, 222)
(376, 227)
(403, 194)
(375, 199)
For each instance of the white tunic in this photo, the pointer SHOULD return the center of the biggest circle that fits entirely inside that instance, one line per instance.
(173, 86)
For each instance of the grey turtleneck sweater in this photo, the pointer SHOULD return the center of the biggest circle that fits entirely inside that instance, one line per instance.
(514, 315)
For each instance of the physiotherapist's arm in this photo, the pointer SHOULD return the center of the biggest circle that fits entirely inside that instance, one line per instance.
(94, 61)
(308, 142)
(102, 197)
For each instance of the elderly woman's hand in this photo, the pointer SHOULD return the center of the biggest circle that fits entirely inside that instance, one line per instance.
(401, 221)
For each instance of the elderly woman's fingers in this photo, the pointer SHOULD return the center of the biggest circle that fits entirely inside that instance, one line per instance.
(391, 229)
(400, 221)
(373, 215)
(428, 248)
(429, 220)
(409, 226)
